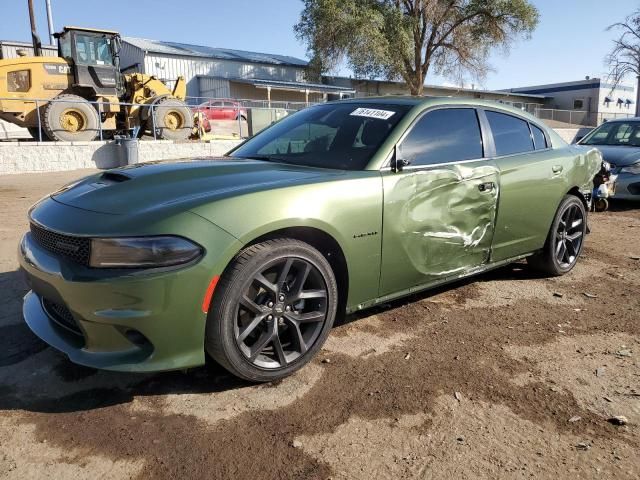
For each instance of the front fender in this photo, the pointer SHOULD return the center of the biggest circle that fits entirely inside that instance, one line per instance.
(349, 210)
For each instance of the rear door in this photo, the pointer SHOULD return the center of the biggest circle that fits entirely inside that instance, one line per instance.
(439, 212)
(532, 182)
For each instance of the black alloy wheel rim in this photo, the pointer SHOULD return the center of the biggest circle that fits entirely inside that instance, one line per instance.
(569, 236)
(281, 313)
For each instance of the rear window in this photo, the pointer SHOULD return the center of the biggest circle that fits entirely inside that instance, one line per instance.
(539, 139)
(511, 135)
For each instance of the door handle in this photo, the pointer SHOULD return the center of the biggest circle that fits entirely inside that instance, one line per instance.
(486, 187)
(557, 168)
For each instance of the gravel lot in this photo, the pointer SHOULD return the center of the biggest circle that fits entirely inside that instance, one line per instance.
(504, 376)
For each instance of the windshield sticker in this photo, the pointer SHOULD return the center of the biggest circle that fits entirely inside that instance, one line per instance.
(372, 113)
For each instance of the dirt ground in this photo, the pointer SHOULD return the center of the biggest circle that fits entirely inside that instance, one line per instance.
(507, 375)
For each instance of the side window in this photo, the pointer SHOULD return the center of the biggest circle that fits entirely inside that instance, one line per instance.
(510, 134)
(445, 135)
(539, 139)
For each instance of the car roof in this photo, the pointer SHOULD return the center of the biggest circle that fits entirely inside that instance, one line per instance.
(426, 102)
(627, 119)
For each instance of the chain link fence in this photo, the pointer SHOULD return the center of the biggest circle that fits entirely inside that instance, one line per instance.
(204, 119)
(225, 118)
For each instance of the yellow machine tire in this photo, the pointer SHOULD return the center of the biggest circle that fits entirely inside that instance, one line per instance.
(173, 119)
(71, 119)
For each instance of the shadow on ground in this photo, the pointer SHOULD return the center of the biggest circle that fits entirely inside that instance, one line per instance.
(101, 389)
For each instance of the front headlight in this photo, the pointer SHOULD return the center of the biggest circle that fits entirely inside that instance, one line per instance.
(635, 169)
(142, 252)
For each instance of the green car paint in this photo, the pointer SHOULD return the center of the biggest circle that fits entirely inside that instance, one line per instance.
(399, 232)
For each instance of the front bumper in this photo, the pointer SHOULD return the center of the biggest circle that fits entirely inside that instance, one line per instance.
(125, 320)
(627, 187)
(127, 323)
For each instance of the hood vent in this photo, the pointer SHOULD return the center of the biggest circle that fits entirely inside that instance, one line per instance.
(114, 177)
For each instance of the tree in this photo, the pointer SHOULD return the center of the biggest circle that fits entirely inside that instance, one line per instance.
(624, 58)
(404, 39)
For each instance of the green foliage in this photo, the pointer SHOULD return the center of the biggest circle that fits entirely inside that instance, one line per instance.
(403, 39)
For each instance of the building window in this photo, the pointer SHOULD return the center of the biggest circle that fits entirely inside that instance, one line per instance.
(578, 104)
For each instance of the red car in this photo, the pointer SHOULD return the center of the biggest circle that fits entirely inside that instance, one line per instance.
(222, 109)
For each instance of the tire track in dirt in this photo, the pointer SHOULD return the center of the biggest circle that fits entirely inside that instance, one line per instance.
(459, 351)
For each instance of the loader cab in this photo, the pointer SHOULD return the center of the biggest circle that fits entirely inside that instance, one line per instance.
(94, 59)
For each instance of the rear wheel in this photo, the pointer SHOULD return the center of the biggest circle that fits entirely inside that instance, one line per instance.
(70, 119)
(173, 119)
(272, 310)
(565, 240)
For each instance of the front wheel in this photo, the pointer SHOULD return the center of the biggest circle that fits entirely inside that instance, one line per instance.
(272, 310)
(565, 240)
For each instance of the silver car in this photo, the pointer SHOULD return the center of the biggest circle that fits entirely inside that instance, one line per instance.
(619, 142)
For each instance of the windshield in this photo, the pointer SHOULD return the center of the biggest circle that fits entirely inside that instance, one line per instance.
(332, 135)
(615, 133)
(94, 50)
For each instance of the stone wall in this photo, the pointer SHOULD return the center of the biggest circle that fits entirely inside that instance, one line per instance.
(25, 157)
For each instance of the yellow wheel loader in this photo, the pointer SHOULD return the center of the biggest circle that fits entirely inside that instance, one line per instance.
(87, 70)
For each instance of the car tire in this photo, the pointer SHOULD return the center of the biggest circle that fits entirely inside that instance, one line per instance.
(565, 239)
(272, 310)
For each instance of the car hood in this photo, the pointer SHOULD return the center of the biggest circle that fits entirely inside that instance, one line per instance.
(182, 184)
(619, 155)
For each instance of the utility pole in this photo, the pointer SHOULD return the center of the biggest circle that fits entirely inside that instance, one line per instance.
(52, 39)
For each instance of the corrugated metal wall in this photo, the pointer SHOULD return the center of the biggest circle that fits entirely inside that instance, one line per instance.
(214, 87)
(10, 50)
(168, 68)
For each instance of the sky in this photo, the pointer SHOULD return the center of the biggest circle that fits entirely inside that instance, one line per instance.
(569, 43)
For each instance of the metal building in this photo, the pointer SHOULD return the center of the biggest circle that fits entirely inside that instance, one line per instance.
(10, 49)
(224, 73)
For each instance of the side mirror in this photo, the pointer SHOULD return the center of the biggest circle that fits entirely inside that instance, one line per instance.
(397, 161)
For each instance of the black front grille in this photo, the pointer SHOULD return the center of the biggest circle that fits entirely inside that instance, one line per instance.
(61, 315)
(77, 249)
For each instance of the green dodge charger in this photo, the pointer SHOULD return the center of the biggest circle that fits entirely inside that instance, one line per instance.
(342, 206)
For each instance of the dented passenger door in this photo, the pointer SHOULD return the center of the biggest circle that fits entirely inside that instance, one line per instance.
(440, 210)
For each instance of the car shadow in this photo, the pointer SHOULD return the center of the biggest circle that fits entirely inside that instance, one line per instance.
(515, 271)
(622, 205)
(43, 380)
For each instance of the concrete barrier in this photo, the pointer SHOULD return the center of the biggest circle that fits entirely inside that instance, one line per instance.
(25, 157)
